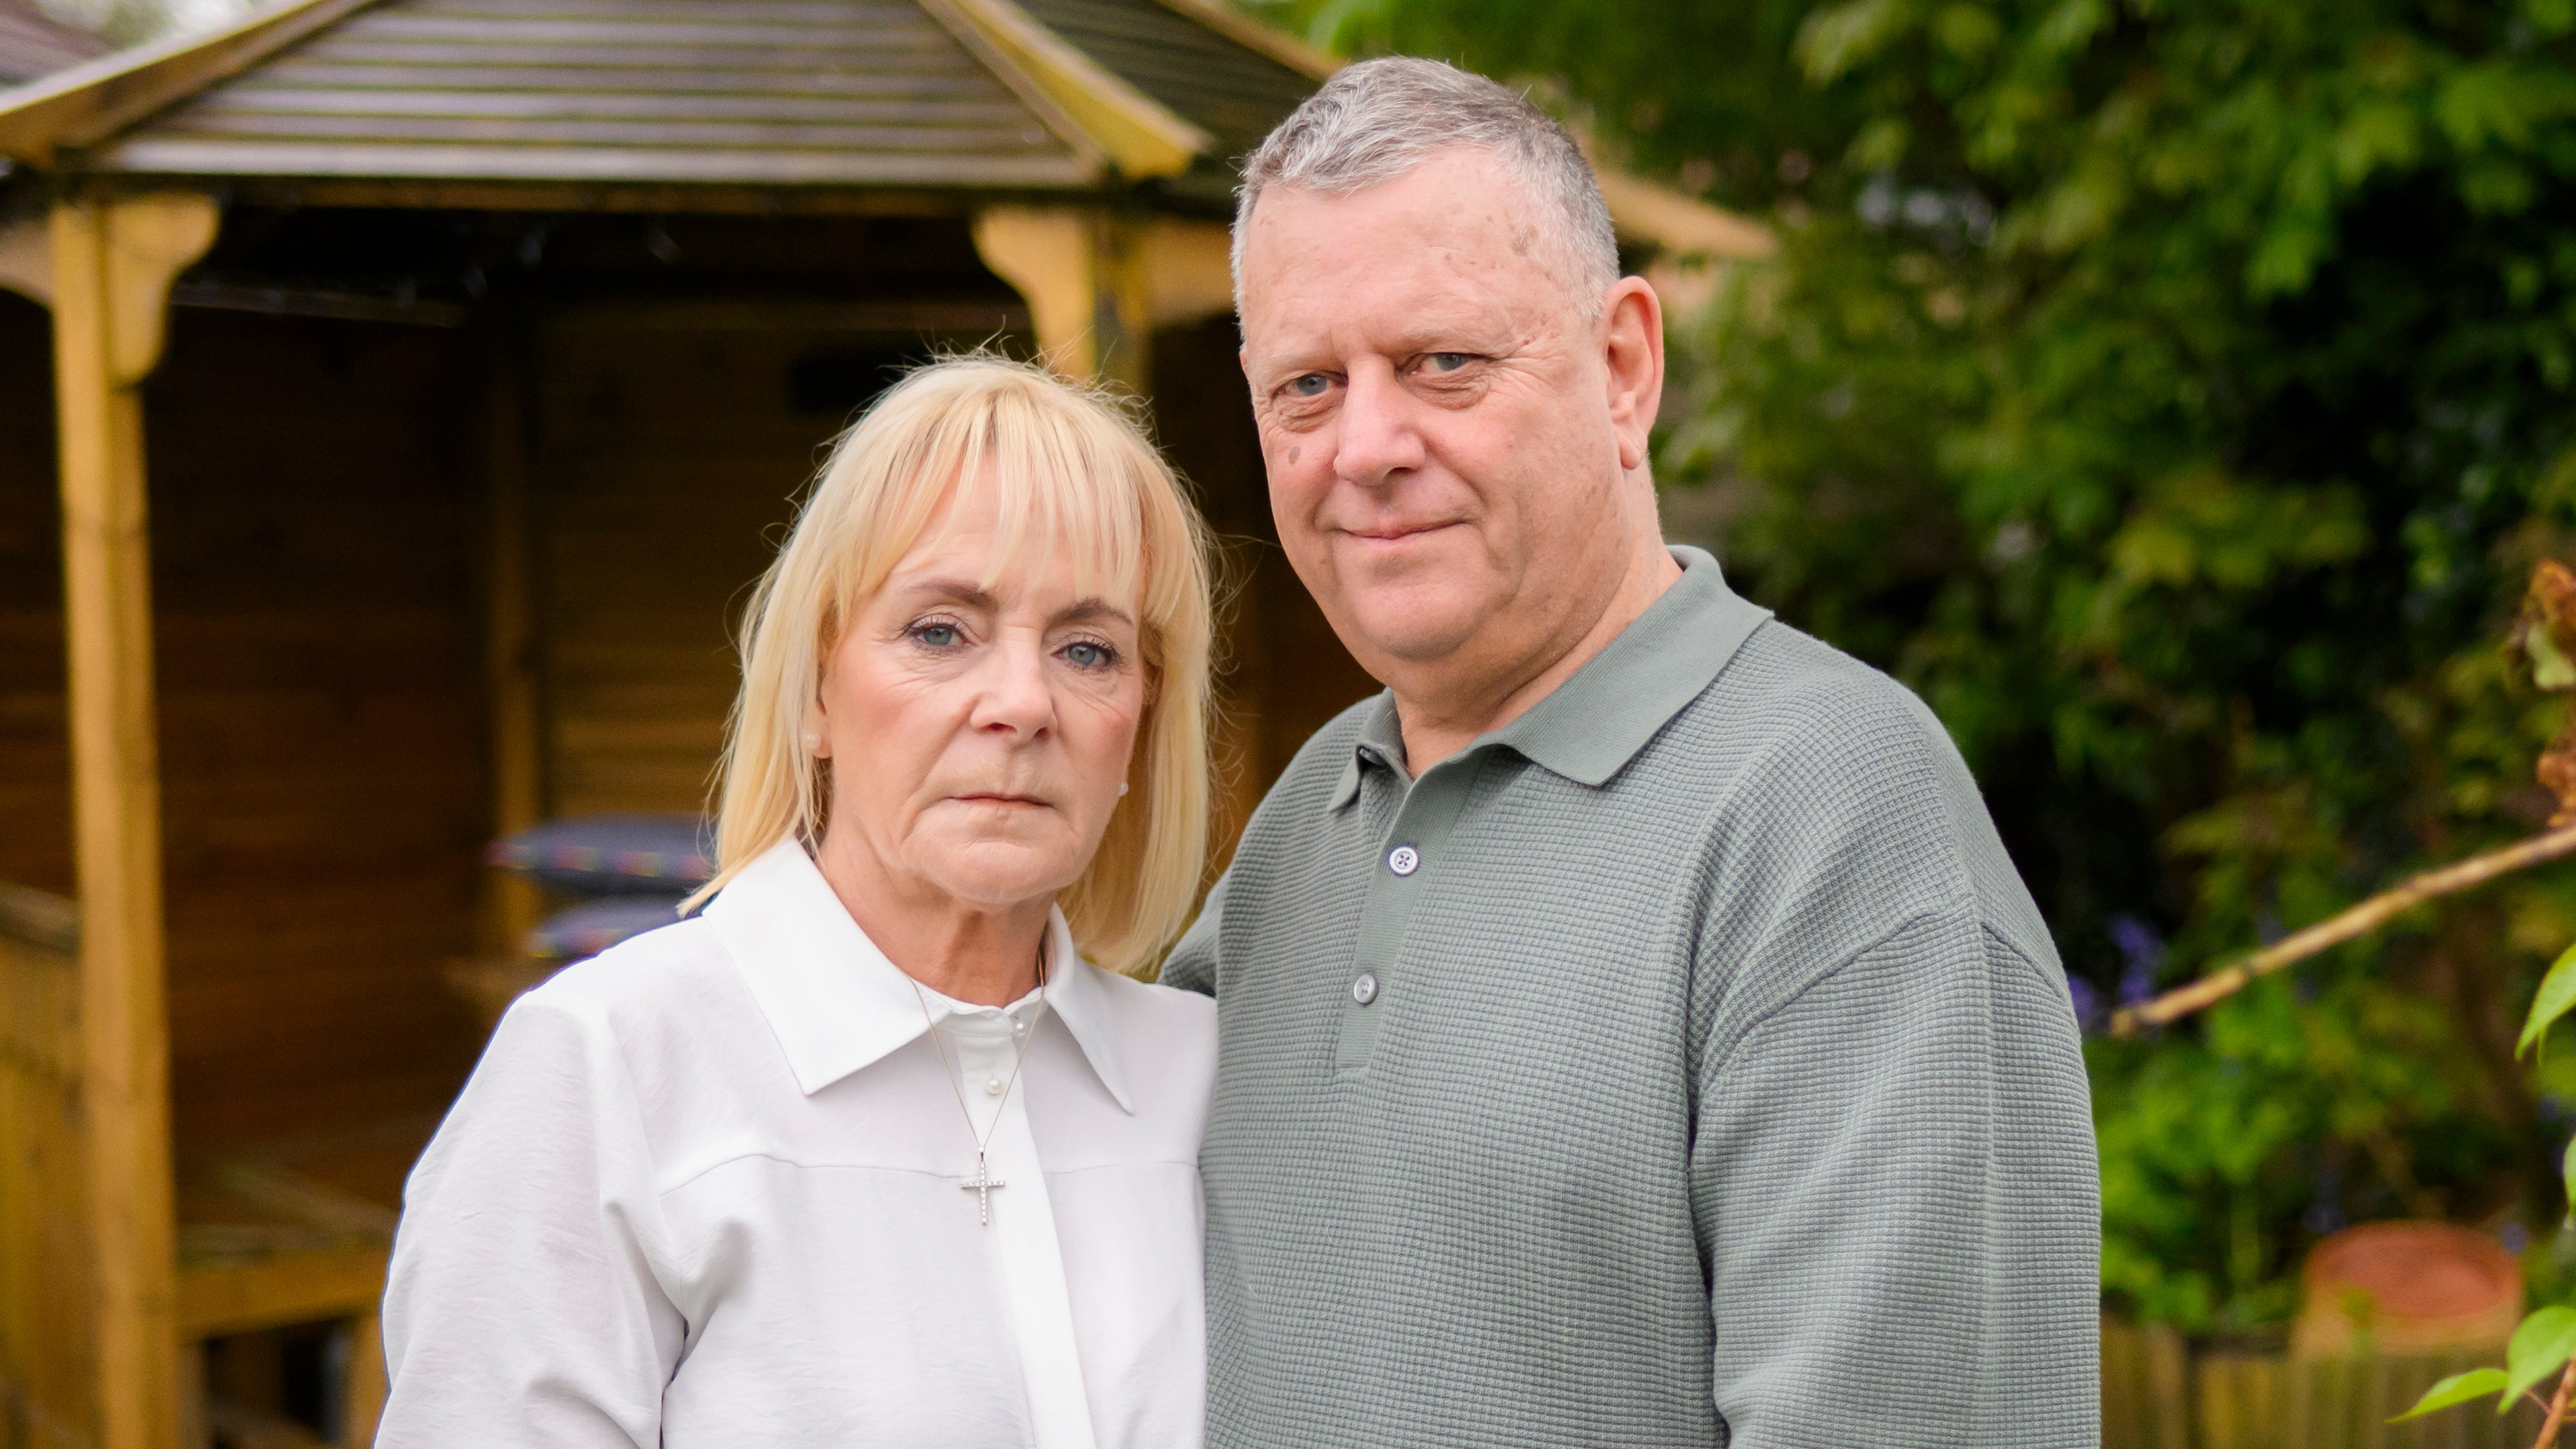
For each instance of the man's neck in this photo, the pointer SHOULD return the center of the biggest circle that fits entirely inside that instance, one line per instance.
(1440, 723)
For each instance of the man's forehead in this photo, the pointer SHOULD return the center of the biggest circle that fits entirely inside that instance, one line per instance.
(1417, 257)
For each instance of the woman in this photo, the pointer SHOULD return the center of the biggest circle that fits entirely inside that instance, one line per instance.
(866, 1152)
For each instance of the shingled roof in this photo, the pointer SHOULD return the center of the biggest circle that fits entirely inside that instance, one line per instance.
(992, 96)
(33, 43)
(765, 91)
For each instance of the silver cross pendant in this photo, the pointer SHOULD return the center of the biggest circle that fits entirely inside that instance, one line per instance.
(982, 1185)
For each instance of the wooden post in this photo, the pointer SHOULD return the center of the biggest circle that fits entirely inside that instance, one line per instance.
(113, 261)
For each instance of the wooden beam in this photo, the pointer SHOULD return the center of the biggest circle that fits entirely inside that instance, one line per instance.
(1138, 134)
(88, 102)
(113, 261)
(1252, 35)
(295, 1285)
(1681, 225)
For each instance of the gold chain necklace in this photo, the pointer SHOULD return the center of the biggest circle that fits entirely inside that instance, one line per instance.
(983, 1182)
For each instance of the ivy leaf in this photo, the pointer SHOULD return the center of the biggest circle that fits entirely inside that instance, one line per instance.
(2539, 1348)
(2457, 1389)
(2556, 994)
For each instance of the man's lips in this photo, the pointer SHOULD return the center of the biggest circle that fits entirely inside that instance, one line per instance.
(1397, 533)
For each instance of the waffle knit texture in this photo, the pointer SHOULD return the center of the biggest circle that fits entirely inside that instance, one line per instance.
(1720, 1084)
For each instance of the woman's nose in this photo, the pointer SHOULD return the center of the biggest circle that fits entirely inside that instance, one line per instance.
(1013, 694)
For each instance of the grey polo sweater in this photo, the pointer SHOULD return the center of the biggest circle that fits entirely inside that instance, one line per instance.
(1681, 1064)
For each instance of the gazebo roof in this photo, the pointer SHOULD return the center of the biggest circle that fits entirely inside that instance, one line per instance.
(34, 44)
(980, 94)
(745, 97)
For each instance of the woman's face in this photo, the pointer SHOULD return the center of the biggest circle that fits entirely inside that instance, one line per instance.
(980, 732)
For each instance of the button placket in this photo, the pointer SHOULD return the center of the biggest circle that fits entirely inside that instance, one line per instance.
(1403, 871)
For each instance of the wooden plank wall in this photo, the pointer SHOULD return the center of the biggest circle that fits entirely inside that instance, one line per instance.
(667, 459)
(48, 1361)
(35, 760)
(315, 524)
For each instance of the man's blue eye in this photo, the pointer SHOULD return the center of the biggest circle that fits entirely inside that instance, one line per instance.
(1448, 361)
(1312, 384)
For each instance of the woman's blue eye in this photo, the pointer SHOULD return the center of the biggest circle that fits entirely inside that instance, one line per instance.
(937, 636)
(1087, 655)
(1312, 384)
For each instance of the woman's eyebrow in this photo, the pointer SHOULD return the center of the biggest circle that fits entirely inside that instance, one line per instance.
(956, 591)
(1087, 609)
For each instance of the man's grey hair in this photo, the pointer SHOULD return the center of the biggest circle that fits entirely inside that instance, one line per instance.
(1379, 119)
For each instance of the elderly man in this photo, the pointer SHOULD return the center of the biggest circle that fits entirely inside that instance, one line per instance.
(1633, 1032)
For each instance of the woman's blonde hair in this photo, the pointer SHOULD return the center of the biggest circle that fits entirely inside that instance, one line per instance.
(1064, 464)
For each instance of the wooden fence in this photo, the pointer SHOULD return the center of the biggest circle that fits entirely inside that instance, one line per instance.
(2161, 1392)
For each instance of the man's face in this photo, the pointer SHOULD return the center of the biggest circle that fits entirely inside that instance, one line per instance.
(1446, 442)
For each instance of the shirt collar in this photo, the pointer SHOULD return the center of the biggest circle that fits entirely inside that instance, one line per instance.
(1588, 728)
(834, 1001)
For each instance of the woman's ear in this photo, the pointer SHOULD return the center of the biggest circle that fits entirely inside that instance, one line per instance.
(817, 736)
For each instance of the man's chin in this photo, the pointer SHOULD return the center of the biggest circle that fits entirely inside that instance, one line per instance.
(1414, 636)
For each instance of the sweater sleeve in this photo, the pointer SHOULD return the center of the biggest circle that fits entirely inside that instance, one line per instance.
(1191, 965)
(521, 1309)
(1898, 1207)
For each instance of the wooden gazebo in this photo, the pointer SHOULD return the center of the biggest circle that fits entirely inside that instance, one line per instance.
(478, 347)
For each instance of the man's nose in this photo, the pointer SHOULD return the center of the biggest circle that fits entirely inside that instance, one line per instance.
(1013, 696)
(1376, 436)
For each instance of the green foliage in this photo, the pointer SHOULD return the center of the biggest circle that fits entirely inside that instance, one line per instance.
(2557, 993)
(2175, 393)
(2540, 1347)
(2458, 1389)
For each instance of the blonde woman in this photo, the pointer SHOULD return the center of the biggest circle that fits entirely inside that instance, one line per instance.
(867, 1152)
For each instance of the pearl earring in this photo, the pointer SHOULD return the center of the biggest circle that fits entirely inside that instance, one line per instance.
(813, 742)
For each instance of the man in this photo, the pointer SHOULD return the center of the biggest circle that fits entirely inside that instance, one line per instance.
(1633, 1032)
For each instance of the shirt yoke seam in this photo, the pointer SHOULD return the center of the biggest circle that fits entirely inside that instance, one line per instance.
(1715, 1065)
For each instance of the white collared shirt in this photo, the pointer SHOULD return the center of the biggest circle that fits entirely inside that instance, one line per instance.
(704, 1191)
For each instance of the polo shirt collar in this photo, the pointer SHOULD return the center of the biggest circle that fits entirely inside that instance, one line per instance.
(1588, 728)
(833, 1000)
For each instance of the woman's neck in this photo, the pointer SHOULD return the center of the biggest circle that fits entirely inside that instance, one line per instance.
(964, 950)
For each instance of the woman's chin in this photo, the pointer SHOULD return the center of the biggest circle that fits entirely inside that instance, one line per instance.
(1002, 873)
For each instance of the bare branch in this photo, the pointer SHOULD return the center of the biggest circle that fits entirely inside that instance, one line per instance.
(2333, 931)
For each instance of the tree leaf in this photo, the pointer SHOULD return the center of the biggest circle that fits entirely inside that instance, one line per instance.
(2556, 994)
(2567, 1171)
(2457, 1389)
(2549, 668)
(2540, 1348)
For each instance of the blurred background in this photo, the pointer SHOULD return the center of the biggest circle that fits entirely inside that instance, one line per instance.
(2175, 393)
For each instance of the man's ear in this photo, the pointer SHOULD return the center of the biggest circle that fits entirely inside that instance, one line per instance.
(1632, 344)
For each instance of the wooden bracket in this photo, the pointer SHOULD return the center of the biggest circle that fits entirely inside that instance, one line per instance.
(1097, 286)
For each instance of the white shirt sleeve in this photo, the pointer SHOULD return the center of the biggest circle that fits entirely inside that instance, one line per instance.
(522, 1308)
